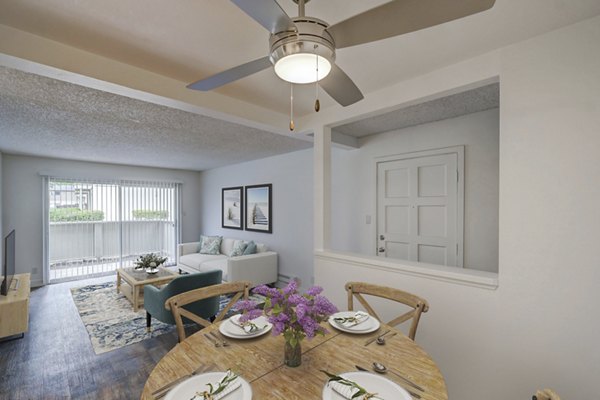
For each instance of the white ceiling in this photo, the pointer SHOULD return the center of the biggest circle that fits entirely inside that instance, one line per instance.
(191, 39)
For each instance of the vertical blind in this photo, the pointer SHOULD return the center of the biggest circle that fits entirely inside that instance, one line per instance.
(95, 227)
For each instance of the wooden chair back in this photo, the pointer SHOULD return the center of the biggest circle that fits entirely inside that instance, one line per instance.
(418, 304)
(545, 394)
(176, 303)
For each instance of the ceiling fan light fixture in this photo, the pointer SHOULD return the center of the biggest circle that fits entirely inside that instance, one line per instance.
(294, 41)
(301, 68)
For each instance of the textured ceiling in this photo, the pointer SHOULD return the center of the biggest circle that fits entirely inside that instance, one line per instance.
(479, 99)
(47, 117)
(191, 39)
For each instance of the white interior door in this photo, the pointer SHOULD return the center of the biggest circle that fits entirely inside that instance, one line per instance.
(418, 216)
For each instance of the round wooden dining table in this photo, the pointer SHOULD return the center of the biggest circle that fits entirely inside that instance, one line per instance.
(260, 362)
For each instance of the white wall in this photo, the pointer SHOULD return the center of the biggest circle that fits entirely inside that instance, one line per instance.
(22, 199)
(539, 328)
(292, 177)
(478, 132)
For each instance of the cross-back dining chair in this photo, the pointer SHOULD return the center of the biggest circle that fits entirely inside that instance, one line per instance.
(417, 304)
(238, 289)
(545, 394)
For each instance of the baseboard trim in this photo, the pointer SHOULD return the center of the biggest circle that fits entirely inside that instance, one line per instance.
(38, 283)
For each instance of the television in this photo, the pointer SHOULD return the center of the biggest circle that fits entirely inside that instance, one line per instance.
(8, 266)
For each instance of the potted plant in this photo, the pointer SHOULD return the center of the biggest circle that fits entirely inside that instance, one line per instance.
(150, 262)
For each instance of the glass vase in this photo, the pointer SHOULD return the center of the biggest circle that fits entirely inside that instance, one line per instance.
(292, 354)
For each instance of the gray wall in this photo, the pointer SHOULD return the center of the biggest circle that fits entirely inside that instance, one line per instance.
(353, 174)
(22, 199)
(292, 177)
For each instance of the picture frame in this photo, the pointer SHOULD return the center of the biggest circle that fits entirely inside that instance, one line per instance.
(232, 207)
(259, 208)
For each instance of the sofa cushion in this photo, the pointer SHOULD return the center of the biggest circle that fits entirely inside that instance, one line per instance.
(238, 248)
(250, 248)
(261, 248)
(210, 244)
(227, 245)
(220, 264)
(195, 260)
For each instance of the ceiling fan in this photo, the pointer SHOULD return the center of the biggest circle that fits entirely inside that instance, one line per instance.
(302, 49)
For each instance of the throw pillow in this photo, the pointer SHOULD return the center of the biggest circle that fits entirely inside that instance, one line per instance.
(250, 248)
(210, 244)
(238, 248)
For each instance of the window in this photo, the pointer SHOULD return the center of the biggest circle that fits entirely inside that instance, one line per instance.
(93, 227)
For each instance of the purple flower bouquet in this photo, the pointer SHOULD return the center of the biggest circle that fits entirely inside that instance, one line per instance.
(294, 314)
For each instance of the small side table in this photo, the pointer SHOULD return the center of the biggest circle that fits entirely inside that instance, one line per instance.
(135, 280)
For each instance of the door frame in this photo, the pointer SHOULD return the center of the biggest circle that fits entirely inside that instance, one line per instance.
(460, 190)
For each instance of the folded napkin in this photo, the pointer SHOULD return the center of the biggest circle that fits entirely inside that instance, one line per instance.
(348, 392)
(348, 322)
(233, 385)
(248, 327)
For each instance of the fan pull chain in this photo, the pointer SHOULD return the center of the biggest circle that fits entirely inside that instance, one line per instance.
(291, 106)
(317, 102)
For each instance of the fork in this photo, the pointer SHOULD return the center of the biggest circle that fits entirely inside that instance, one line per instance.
(224, 342)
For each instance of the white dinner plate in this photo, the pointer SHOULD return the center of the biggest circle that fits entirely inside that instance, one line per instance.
(368, 326)
(384, 388)
(231, 330)
(188, 388)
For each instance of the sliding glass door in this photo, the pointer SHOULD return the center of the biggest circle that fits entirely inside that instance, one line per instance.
(149, 220)
(95, 227)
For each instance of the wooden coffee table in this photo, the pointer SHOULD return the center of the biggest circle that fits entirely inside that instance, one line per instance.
(135, 280)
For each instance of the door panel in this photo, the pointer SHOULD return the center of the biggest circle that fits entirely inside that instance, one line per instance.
(432, 254)
(397, 250)
(397, 220)
(432, 221)
(432, 180)
(397, 183)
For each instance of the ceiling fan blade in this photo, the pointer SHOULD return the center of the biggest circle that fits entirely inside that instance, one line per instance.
(401, 16)
(268, 13)
(339, 86)
(233, 74)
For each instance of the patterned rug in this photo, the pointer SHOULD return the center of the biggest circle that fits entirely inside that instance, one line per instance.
(110, 320)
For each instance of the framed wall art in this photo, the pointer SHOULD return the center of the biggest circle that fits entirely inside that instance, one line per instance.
(259, 208)
(232, 207)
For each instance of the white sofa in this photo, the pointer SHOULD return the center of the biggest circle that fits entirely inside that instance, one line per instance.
(259, 268)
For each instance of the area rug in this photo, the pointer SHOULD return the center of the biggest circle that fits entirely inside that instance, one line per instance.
(111, 322)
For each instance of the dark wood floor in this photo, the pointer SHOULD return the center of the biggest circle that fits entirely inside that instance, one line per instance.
(55, 359)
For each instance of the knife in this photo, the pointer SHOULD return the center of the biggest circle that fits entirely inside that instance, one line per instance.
(413, 394)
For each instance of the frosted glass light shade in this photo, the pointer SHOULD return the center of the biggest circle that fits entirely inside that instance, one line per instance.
(302, 68)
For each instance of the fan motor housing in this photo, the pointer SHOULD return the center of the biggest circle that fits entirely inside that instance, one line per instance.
(311, 38)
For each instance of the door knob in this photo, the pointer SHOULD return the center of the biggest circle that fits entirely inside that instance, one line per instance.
(381, 237)
(381, 249)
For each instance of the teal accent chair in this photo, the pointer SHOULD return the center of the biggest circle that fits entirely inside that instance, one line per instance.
(155, 298)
